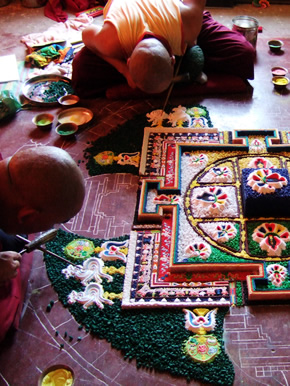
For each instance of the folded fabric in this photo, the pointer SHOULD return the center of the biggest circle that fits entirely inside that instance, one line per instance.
(42, 57)
(65, 55)
(69, 31)
(63, 69)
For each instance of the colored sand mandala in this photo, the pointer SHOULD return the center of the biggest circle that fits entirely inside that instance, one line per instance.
(201, 348)
(159, 339)
(211, 230)
(79, 249)
(212, 213)
(119, 152)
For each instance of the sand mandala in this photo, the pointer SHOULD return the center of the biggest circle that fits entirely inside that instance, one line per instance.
(211, 231)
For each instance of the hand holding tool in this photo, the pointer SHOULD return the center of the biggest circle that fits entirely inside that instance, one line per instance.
(37, 244)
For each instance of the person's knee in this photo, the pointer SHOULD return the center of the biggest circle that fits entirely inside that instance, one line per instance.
(77, 69)
(249, 50)
(84, 78)
(92, 75)
(247, 60)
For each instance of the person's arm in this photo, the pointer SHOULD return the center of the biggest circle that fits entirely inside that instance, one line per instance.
(122, 67)
(9, 263)
(92, 38)
(192, 15)
(104, 42)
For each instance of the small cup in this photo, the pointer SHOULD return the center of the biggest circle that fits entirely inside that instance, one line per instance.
(67, 130)
(68, 372)
(68, 100)
(275, 45)
(279, 71)
(280, 82)
(43, 121)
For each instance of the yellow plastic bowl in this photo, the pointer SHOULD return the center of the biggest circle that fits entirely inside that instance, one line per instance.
(280, 81)
(61, 375)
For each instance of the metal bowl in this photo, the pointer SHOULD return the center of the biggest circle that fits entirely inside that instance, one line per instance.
(78, 115)
(68, 100)
(34, 90)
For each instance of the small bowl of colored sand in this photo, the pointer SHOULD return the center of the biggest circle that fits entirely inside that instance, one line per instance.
(43, 121)
(279, 71)
(68, 100)
(280, 82)
(67, 130)
(275, 45)
(57, 375)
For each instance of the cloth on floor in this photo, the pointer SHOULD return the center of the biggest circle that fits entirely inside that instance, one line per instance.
(69, 31)
(61, 66)
(216, 84)
(45, 55)
(54, 9)
(66, 55)
(63, 69)
(9, 104)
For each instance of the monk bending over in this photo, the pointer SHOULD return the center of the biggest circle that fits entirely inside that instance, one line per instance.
(139, 40)
(40, 187)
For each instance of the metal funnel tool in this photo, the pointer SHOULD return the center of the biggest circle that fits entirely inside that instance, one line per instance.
(39, 241)
(35, 244)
